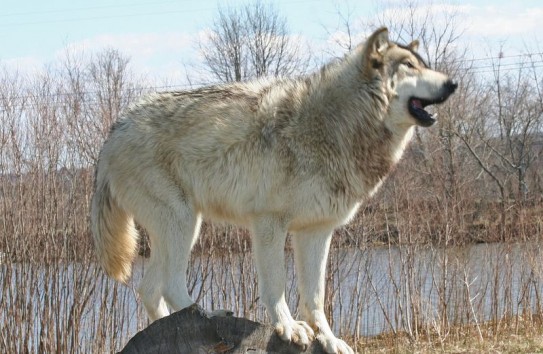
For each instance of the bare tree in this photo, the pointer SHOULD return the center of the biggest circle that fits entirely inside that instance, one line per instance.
(12, 101)
(97, 92)
(344, 35)
(224, 50)
(251, 41)
(505, 138)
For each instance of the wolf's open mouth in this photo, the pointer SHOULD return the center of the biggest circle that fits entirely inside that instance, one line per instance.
(416, 108)
(416, 105)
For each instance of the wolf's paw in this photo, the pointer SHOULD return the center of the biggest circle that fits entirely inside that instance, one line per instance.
(297, 332)
(334, 345)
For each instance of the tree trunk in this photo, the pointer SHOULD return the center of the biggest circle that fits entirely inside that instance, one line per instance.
(192, 331)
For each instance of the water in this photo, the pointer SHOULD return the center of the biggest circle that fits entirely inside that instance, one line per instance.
(385, 289)
(370, 291)
(401, 289)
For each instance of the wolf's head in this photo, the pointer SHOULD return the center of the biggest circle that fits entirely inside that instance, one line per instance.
(409, 84)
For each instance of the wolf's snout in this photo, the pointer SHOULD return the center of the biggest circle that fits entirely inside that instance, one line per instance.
(417, 105)
(447, 89)
(451, 86)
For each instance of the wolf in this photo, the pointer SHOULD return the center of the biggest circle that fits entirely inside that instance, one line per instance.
(278, 156)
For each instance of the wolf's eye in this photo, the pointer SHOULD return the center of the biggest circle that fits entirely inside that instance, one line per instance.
(409, 64)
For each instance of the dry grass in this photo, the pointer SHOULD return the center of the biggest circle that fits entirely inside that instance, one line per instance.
(463, 340)
(460, 183)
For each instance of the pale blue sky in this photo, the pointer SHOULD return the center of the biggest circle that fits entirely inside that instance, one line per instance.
(160, 35)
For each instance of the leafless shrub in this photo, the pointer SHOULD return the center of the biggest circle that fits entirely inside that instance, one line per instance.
(251, 41)
(418, 261)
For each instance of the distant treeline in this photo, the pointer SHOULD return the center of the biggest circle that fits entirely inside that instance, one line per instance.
(476, 176)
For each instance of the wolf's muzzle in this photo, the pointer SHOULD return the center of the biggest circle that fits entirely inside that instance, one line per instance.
(450, 86)
(417, 105)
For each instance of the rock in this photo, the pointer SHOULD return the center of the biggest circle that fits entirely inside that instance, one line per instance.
(191, 330)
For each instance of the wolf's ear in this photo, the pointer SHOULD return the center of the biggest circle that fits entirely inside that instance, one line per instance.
(414, 46)
(374, 49)
(378, 41)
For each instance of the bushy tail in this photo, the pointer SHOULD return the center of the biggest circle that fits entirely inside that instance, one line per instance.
(114, 233)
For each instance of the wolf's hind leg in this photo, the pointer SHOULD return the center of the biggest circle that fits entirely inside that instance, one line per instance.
(310, 257)
(269, 242)
(173, 227)
(179, 233)
(150, 291)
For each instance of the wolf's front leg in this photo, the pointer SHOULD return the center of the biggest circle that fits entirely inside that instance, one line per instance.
(310, 256)
(269, 237)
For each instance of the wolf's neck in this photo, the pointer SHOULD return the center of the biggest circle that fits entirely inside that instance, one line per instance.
(354, 117)
(376, 152)
(401, 137)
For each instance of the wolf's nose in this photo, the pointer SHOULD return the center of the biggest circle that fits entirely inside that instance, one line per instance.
(451, 86)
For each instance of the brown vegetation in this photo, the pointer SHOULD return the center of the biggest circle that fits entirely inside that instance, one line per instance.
(475, 177)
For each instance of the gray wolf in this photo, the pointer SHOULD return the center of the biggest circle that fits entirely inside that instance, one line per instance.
(277, 156)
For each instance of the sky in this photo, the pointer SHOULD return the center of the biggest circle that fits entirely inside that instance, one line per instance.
(161, 36)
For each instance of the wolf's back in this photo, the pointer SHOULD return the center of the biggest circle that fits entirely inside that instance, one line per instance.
(113, 230)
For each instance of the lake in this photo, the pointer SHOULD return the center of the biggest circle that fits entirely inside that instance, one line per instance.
(383, 289)
(371, 290)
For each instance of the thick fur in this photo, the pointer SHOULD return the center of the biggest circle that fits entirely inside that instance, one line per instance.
(280, 156)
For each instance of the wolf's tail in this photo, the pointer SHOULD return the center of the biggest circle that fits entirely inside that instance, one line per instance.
(113, 230)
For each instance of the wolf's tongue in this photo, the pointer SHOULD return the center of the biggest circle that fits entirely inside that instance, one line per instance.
(416, 109)
(416, 103)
